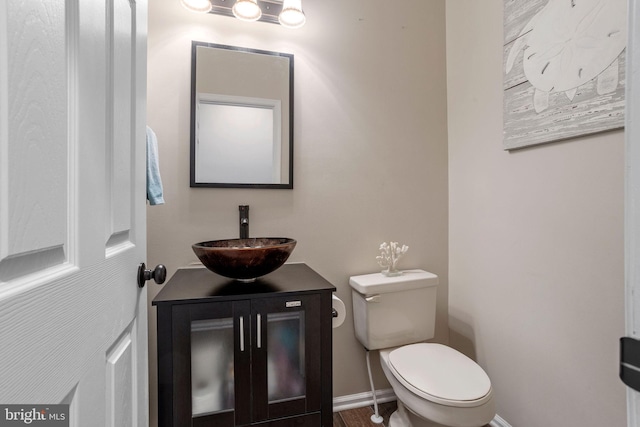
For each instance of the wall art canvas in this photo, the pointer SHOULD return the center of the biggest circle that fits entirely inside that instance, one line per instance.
(564, 69)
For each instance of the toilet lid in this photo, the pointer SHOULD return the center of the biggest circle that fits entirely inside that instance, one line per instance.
(441, 374)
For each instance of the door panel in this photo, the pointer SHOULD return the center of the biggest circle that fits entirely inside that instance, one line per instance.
(120, 381)
(34, 213)
(121, 119)
(73, 322)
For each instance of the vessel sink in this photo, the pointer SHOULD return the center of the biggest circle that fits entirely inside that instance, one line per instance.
(244, 259)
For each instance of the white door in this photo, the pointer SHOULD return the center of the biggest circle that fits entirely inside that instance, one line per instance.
(632, 196)
(73, 323)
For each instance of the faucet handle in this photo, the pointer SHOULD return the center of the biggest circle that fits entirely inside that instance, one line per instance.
(244, 221)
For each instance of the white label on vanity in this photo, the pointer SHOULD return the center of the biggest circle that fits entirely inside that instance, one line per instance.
(293, 304)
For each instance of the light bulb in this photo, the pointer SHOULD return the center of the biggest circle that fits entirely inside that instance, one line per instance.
(200, 6)
(247, 10)
(292, 15)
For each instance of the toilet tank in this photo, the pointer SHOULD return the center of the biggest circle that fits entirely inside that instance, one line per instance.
(394, 311)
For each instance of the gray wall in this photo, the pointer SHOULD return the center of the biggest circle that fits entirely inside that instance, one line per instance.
(536, 246)
(370, 149)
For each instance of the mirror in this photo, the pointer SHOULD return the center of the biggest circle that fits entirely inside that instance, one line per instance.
(241, 117)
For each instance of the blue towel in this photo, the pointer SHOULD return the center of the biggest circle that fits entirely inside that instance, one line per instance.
(154, 183)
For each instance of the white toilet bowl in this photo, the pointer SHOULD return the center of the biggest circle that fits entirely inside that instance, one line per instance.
(438, 386)
(435, 385)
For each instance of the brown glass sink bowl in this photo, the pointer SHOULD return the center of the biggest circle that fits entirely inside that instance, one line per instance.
(244, 259)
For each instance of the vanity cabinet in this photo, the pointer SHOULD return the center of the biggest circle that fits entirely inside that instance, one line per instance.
(236, 354)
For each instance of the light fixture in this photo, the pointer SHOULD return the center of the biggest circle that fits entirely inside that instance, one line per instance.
(200, 6)
(287, 13)
(247, 10)
(292, 15)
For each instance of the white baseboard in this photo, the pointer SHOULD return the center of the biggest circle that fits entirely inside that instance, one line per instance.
(498, 421)
(351, 401)
(359, 400)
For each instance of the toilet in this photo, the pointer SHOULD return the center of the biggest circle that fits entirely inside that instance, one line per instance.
(435, 384)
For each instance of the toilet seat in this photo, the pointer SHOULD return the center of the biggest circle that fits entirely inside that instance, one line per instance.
(440, 374)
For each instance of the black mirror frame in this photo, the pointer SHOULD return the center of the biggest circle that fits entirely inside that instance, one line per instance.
(194, 46)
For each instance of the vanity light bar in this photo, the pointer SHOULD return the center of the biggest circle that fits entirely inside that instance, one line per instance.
(271, 10)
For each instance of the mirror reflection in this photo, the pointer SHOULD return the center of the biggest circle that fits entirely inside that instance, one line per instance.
(241, 117)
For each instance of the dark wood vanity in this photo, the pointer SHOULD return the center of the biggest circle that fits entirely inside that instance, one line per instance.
(236, 354)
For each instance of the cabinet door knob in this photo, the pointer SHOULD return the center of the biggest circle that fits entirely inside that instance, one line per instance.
(158, 274)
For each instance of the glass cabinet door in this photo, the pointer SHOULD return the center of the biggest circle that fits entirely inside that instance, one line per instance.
(242, 362)
(212, 369)
(212, 364)
(285, 356)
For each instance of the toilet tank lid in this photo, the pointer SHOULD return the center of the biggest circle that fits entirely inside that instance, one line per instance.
(377, 283)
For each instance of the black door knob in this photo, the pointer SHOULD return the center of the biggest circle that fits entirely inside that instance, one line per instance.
(158, 274)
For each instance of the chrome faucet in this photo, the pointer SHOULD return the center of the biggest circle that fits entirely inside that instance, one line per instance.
(244, 221)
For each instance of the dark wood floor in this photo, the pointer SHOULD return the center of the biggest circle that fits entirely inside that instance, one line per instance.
(361, 417)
